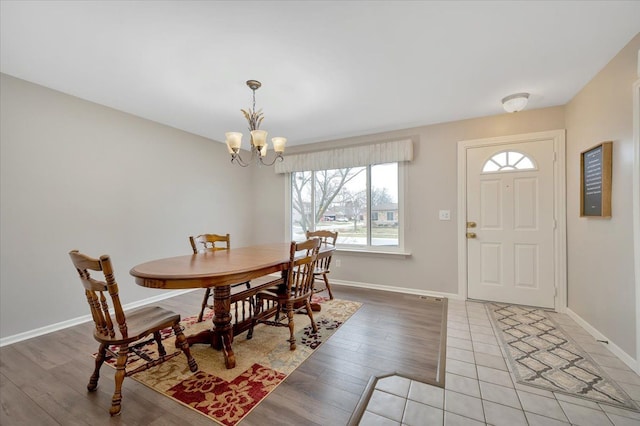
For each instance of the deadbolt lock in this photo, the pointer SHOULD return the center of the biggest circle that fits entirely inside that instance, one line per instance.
(471, 234)
(471, 224)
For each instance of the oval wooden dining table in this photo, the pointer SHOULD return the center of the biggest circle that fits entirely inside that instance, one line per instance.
(220, 270)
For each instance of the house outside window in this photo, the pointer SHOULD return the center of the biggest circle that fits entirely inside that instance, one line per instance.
(384, 215)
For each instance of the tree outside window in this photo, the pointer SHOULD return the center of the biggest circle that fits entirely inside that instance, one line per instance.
(343, 199)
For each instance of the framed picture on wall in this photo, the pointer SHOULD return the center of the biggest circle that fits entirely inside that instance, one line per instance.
(595, 181)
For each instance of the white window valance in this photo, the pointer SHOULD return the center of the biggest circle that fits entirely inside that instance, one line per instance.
(353, 156)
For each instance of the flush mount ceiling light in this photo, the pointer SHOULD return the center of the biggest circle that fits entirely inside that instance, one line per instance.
(515, 102)
(258, 137)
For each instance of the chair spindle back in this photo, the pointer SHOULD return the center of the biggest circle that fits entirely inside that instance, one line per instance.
(302, 258)
(95, 292)
(207, 242)
(327, 239)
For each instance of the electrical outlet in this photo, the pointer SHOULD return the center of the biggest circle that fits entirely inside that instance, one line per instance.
(338, 263)
(445, 215)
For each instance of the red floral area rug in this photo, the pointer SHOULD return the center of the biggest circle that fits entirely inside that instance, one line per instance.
(262, 363)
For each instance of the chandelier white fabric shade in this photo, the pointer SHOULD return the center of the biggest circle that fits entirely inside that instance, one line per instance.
(515, 102)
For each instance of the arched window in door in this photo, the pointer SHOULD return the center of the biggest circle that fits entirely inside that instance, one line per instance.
(507, 161)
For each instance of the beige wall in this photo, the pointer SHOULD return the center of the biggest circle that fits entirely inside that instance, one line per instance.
(77, 175)
(268, 205)
(431, 186)
(600, 251)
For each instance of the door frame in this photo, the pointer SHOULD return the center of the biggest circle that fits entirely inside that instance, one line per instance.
(636, 206)
(559, 210)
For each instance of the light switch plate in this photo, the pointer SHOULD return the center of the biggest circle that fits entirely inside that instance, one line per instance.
(445, 215)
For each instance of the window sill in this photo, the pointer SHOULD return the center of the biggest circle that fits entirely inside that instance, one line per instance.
(363, 251)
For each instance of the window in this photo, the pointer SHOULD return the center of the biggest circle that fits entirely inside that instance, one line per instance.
(356, 190)
(344, 199)
(508, 161)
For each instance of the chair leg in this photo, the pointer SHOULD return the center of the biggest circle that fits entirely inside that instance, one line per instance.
(256, 313)
(207, 293)
(93, 381)
(310, 313)
(250, 332)
(326, 282)
(252, 300)
(116, 401)
(279, 310)
(182, 343)
(158, 339)
(292, 338)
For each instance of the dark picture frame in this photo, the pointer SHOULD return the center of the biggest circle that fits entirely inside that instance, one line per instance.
(595, 181)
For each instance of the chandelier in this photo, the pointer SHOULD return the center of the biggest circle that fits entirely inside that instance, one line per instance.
(259, 142)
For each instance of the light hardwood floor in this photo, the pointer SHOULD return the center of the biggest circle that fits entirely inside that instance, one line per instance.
(43, 380)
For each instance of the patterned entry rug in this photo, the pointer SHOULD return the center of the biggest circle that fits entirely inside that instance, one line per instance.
(262, 363)
(543, 355)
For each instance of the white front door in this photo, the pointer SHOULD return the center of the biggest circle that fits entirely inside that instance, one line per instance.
(510, 223)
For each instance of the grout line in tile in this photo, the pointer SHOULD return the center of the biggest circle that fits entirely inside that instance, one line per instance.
(463, 318)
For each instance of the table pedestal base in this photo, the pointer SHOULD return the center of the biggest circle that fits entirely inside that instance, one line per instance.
(221, 336)
(213, 339)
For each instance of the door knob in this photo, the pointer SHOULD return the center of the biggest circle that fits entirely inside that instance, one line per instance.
(471, 224)
(471, 234)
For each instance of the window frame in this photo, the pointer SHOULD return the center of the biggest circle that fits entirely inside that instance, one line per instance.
(368, 248)
(504, 168)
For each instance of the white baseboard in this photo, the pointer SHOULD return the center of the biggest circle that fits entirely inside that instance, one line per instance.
(79, 320)
(615, 349)
(396, 289)
(165, 295)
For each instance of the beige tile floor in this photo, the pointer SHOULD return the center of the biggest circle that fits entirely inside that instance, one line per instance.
(481, 390)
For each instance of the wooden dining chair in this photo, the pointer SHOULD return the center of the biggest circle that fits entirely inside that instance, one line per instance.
(129, 330)
(327, 239)
(292, 296)
(206, 243)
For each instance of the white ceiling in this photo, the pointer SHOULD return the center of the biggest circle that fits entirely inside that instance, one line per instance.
(329, 69)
